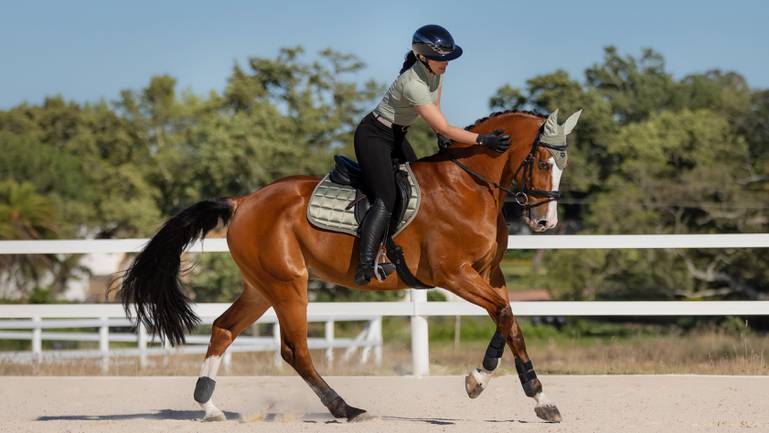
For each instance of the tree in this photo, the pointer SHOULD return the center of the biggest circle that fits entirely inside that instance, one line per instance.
(657, 155)
(24, 214)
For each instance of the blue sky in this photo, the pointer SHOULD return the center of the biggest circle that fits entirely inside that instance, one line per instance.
(87, 50)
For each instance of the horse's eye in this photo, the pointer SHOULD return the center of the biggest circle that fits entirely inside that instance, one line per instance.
(543, 165)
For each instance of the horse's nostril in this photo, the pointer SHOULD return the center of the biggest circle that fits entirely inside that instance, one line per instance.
(542, 223)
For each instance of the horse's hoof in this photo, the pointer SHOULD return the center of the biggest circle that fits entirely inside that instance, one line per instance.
(340, 409)
(355, 414)
(359, 415)
(548, 412)
(476, 382)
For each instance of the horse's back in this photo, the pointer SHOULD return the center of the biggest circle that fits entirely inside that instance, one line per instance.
(267, 219)
(275, 196)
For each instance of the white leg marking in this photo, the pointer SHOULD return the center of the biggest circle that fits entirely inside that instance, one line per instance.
(477, 381)
(212, 412)
(209, 369)
(542, 399)
(482, 376)
(552, 207)
(546, 409)
(210, 366)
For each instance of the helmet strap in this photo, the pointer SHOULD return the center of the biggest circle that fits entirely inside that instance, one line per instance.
(420, 57)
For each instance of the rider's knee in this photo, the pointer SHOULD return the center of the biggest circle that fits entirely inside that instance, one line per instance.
(385, 200)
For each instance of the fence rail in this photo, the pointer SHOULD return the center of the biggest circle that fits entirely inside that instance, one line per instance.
(33, 322)
(520, 242)
(418, 309)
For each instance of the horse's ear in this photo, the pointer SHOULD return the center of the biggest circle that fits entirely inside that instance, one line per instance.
(571, 122)
(551, 124)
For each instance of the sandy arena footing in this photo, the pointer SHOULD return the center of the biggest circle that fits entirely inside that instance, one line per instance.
(395, 404)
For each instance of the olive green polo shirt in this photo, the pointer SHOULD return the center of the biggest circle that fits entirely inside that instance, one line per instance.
(415, 86)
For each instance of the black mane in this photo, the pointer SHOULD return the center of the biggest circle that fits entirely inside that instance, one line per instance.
(499, 113)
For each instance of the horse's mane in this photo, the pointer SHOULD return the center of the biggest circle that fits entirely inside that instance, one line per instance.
(442, 154)
(499, 113)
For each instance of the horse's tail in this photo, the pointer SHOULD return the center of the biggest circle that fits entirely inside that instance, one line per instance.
(152, 281)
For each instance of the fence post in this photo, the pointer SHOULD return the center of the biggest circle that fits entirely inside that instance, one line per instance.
(377, 336)
(166, 345)
(366, 348)
(37, 338)
(142, 343)
(277, 359)
(420, 345)
(227, 359)
(104, 343)
(330, 342)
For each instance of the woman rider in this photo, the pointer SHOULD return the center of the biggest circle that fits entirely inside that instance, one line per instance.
(380, 138)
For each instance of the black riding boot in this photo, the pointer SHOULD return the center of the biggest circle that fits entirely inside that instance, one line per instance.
(374, 224)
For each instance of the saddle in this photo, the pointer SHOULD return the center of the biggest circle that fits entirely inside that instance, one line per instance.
(340, 202)
(348, 172)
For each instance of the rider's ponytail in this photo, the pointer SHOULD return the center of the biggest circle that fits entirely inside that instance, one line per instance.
(408, 61)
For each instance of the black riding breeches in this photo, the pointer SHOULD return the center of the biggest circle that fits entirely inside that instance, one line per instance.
(377, 148)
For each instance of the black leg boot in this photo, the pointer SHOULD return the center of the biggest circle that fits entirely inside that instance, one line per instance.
(374, 224)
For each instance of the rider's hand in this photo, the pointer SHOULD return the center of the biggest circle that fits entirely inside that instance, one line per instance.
(497, 140)
(443, 142)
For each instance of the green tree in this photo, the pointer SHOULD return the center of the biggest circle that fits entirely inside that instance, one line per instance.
(24, 214)
(656, 155)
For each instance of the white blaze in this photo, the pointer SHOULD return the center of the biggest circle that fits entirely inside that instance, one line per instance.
(555, 180)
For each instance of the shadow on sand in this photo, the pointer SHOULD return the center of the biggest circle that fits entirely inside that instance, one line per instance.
(170, 414)
(320, 418)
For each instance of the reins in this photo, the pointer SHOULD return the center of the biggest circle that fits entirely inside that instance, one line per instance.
(527, 165)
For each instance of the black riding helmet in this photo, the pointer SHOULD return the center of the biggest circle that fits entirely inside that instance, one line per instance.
(435, 43)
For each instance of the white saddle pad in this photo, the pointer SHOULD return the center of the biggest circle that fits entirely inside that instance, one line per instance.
(328, 203)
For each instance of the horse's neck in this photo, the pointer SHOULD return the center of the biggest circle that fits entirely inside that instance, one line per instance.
(499, 168)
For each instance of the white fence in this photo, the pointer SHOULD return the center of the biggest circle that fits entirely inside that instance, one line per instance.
(31, 322)
(417, 308)
(522, 242)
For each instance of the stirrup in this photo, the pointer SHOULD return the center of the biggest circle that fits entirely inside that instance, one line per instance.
(379, 273)
(382, 271)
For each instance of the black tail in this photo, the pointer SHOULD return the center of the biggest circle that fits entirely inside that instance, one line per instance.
(152, 282)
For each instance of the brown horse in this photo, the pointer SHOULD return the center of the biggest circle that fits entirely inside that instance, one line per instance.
(456, 241)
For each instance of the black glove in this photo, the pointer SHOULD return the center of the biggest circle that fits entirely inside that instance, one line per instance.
(443, 142)
(497, 140)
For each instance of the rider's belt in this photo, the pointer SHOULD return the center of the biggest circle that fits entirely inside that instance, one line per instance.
(387, 123)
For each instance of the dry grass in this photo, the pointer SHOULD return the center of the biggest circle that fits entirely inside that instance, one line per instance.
(708, 352)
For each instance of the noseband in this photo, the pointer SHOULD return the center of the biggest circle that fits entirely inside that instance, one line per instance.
(526, 166)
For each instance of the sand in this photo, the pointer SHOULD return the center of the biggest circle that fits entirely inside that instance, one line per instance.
(396, 404)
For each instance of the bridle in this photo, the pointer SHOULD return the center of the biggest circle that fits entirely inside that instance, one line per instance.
(526, 166)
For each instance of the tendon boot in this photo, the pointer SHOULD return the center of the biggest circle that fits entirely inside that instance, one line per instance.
(374, 224)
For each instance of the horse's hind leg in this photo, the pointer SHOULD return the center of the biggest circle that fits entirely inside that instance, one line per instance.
(292, 315)
(242, 313)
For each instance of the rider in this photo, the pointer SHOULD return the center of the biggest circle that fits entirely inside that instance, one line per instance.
(380, 138)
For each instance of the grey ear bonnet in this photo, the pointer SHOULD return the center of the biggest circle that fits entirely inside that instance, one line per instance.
(554, 136)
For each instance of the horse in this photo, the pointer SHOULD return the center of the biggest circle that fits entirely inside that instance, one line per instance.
(456, 242)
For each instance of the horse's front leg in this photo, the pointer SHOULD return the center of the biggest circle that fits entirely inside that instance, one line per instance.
(532, 387)
(492, 296)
